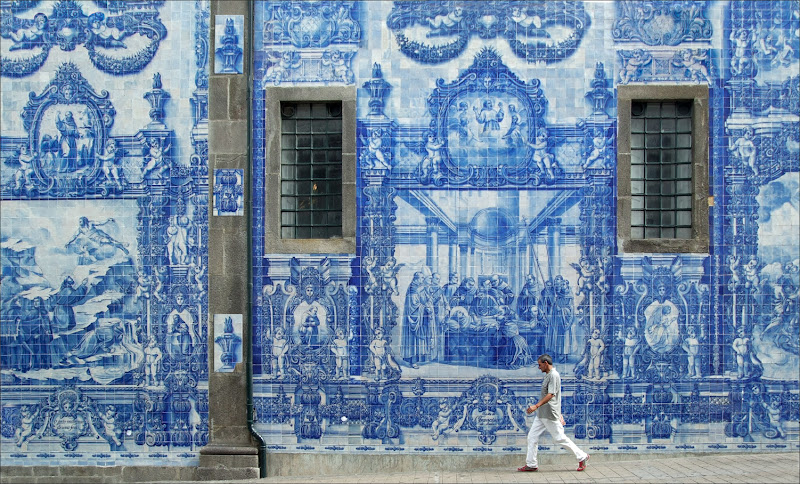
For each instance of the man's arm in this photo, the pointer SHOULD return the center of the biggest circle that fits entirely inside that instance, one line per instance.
(541, 402)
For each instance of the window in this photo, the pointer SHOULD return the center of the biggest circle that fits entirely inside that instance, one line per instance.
(310, 180)
(662, 168)
(311, 170)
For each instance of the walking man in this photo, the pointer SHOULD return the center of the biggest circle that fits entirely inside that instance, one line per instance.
(549, 418)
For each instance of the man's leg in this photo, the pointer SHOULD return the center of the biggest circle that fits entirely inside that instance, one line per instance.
(537, 427)
(557, 431)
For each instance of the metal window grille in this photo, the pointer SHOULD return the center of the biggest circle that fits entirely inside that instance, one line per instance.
(661, 169)
(311, 170)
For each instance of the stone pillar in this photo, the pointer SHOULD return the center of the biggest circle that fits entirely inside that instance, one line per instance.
(232, 451)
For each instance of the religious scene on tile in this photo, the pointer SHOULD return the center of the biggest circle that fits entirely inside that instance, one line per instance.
(486, 231)
(103, 236)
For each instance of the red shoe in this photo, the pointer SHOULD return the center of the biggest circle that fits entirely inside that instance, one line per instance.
(527, 468)
(582, 464)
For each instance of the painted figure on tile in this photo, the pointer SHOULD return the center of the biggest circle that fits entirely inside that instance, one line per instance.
(596, 349)
(501, 291)
(24, 432)
(180, 330)
(445, 24)
(513, 135)
(68, 142)
(461, 122)
(95, 342)
(632, 64)
(374, 157)
(178, 240)
(156, 151)
(309, 328)
(519, 353)
(441, 308)
(181, 337)
(23, 177)
(784, 323)
(282, 63)
(109, 420)
(339, 349)
(544, 160)
(63, 303)
(39, 335)
(691, 345)
(752, 282)
(773, 411)
(600, 152)
(338, 63)
(774, 46)
(661, 321)
(693, 60)
(489, 116)
(32, 36)
(744, 149)
(109, 163)
(418, 342)
(441, 423)
(280, 346)
(742, 55)
(100, 244)
(557, 304)
(629, 350)
(522, 19)
(310, 312)
(465, 294)
(21, 354)
(382, 356)
(528, 299)
(486, 416)
(152, 362)
(103, 35)
(747, 363)
(451, 287)
(429, 166)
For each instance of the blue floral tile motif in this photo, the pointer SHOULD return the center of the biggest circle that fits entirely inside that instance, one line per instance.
(69, 149)
(307, 42)
(662, 22)
(228, 192)
(763, 40)
(436, 32)
(228, 338)
(112, 35)
(472, 258)
(104, 350)
(683, 65)
(311, 24)
(228, 43)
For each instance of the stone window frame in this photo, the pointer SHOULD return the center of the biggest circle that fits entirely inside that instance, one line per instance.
(272, 124)
(699, 243)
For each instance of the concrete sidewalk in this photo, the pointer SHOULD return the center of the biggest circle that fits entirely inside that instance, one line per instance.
(723, 468)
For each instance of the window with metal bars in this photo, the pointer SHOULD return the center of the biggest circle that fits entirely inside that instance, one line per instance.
(311, 170)
(662, 168)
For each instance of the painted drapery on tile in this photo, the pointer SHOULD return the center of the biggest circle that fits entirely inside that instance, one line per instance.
(486, 231)
(103, 236)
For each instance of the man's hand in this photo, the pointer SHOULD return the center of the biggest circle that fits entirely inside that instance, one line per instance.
(562, 421)
(530, 409)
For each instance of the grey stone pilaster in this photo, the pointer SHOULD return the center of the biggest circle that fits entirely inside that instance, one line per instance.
(232, 449)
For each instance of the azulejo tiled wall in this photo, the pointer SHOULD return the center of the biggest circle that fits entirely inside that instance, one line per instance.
(104, 183)
(487, 231)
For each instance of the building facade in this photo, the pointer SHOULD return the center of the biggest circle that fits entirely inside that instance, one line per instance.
(366, 220)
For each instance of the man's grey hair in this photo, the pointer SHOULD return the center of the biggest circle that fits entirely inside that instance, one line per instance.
(546, 358)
